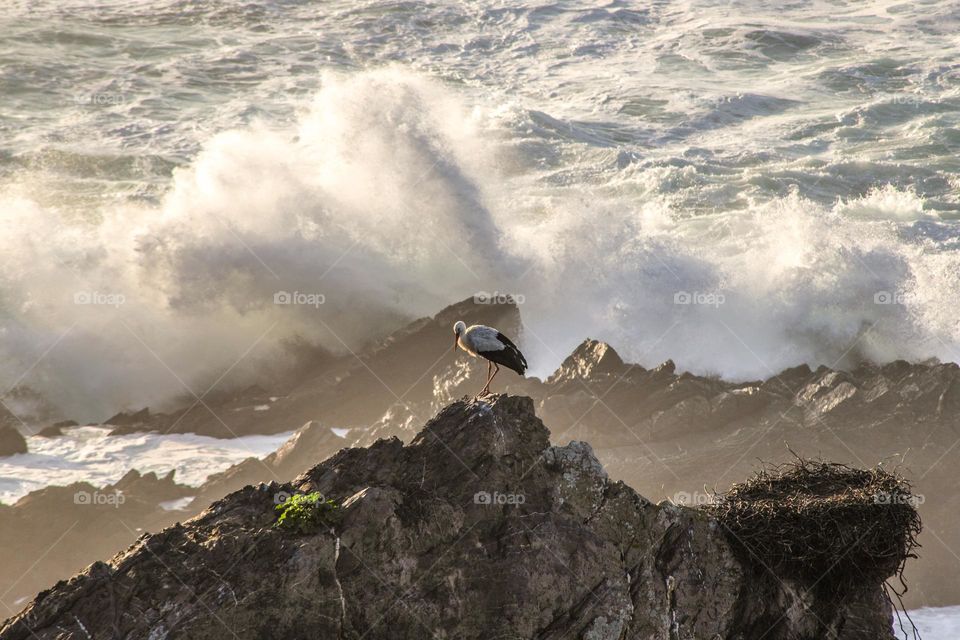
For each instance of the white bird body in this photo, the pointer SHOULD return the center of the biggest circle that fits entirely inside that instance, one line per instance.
(485, 342)
(479, 338)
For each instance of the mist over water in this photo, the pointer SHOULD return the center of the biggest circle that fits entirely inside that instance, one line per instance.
(740, 189)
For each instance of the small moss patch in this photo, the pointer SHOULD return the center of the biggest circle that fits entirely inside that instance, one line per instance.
(307, 513)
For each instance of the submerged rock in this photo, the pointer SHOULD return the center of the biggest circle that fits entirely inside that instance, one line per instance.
(123, 418)
(55, 430)
(479, 528)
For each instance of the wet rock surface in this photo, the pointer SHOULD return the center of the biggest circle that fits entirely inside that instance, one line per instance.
(479, 528)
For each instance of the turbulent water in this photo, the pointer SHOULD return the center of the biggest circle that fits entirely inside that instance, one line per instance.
(738, 186)
(89, 454)
(933, 623)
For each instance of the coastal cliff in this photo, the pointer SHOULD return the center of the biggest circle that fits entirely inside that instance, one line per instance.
(479, 528)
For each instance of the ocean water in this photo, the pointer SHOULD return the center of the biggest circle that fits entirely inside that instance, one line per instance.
(740, 187)
(88, 454)
(933, 623)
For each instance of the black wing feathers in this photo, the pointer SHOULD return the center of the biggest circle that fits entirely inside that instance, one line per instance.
(509, 356)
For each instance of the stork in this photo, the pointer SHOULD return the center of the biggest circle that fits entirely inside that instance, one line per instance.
(486, 342)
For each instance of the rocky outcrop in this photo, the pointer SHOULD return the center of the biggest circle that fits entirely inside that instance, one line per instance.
(131, 419)
(55, 430)
(56, 531)
(11, 441)
(589, 361)
(668, 433)
(477, 529)
(59, 530)
(313, 441)
(673, 434)
(403, 371)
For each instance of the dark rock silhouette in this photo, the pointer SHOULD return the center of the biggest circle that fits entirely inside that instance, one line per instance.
(350, 390)
(62, 529)
(55, 430)
(477, 529)
(312, 442)
(11, 441)
(674, 434)
(668, 433)
(135, 418)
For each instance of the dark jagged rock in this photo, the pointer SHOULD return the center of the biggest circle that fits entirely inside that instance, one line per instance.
(149, 487)
(668, 433)
(59, 530)
(228, 415)
(312, 442)
(596, 395)
(133, 418)
(11, 441)
(737, 404)
(662, 430)
(477, 529)
(410, 368)
(92, 531)
(133, 422)
(55, 430)
(589, 360)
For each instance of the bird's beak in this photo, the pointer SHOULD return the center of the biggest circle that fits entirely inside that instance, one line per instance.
(455, 336)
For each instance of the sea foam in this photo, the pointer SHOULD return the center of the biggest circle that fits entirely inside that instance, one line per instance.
(393, 195)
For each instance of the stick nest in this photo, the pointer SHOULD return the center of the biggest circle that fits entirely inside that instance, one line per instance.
(830, 525)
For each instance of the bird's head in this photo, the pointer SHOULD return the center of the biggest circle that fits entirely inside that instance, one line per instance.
(458, 328)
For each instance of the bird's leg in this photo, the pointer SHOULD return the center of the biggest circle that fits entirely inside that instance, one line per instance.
(496, 370)
(486, 385)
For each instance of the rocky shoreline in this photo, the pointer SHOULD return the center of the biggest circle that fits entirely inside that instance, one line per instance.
(671, 435)
(479, 528)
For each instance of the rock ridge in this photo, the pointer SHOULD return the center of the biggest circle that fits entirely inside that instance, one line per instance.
(478, 528)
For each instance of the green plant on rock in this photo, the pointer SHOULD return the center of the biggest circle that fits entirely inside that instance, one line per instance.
(306, 513)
